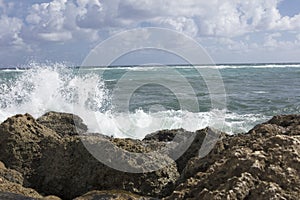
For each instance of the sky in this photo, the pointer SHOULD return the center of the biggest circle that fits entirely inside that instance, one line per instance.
(231, 31)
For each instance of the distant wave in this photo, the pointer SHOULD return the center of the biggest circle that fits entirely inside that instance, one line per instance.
(257, 66)
(11, 70)
(218, 66)
(156, 67)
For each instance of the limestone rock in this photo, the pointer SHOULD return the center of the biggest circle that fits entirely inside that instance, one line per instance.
(111, 195)
(48, 156)
(68, 170)
(13, 196)
(10, 175)
(63, 123)
(191, 143)
(51, 197)
(62, 166)
(262, 164)
(11, 185)
(20, 138)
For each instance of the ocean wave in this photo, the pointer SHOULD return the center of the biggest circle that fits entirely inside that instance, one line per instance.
(217, 66)
(242, 66)
(144, 123)
(157, 67)
(149, 68)
(50, 87)
(57, 88)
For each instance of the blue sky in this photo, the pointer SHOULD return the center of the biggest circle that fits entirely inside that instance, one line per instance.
(232, 31)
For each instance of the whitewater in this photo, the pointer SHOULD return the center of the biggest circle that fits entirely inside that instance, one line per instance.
(254, 93)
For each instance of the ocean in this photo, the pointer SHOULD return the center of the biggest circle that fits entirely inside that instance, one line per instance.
(253, 94)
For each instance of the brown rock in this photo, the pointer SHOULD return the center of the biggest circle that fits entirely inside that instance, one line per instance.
(281, 124)
(10, 175)
(13, 196)
(165, 135)
(62, 166)
(6, 186)
(20, 138)
(263, 164)
(191, 143)
(11, 185)
(51, 197)
(68, 170)
(111, 195)
(63, 123)
(285, 120)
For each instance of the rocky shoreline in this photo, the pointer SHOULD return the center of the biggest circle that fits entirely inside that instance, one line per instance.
(45, 158)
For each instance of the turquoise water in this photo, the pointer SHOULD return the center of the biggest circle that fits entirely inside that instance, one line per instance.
(254, 93)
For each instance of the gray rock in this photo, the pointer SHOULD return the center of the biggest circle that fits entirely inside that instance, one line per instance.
(13, 196)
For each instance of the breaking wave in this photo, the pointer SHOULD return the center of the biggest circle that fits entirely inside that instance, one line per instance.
(42, 88)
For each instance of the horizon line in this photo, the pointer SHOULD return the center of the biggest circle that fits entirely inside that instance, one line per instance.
(171, 64)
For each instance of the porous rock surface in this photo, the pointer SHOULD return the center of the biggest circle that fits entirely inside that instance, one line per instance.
(262, 164)
(59, 163)
(51, 156)
(11, 185)
(111, 195)
(63, 123)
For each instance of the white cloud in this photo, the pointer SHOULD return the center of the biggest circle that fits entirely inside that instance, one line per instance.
(87, 22)
(224, 18)
(9, 31)
(274, 42)
(181, 24)
(56, 37)
(227, 18)
(271, 41)
(90, 15)
(62, 20)
(47, 20)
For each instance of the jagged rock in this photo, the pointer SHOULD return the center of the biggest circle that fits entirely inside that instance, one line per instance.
(262, 164)
(285, 120)
(20, 138)
(165, 135)
(6, 186)
(51, 197)
(11, 185)
(191, 146)
(63, 123)
(10, 175)
(62, 165)
(111, 195)
(13, 196)
(69, 170)
(281, 124)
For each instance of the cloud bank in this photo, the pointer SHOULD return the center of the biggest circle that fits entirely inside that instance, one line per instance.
(227, 28)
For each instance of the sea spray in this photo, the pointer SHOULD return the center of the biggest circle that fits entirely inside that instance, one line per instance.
(55, 87)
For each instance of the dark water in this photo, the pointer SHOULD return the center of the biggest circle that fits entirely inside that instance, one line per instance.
(268, 90)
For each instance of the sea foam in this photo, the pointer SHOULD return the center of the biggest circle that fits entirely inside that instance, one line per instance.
(43, 88)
